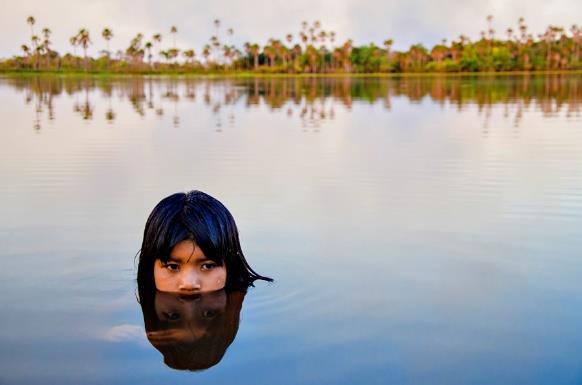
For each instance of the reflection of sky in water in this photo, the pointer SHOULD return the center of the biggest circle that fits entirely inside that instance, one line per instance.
(417, 243)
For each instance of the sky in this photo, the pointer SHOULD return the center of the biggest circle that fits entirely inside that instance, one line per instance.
(365, 21)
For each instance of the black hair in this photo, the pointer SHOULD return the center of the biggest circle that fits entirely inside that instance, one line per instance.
(198, 217)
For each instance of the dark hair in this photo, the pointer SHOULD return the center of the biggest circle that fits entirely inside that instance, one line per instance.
(203, 219)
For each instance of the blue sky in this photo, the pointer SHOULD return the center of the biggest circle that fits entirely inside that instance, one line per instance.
(407, 22)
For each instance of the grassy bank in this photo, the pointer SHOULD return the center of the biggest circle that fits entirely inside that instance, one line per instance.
(211, 75)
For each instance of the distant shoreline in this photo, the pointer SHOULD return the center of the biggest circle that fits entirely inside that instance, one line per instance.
(243, 75)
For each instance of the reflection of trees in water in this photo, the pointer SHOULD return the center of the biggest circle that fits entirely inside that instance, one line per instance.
(42, 97)
(312, 101)
(84, 108)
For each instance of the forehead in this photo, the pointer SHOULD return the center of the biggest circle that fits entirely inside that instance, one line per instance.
(185, 250)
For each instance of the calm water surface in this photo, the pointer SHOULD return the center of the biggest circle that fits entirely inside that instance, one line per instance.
(420, 230)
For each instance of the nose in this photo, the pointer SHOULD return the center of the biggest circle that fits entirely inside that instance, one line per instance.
(189, 282)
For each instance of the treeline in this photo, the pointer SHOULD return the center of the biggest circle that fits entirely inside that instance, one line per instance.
(311, 50)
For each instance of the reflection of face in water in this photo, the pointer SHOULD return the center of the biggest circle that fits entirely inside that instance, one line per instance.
(192, 332)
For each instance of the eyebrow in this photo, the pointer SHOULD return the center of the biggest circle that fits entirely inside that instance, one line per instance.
(176, 259)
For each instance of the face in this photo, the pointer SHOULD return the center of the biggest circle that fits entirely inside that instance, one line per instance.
(185, 319)
(188, 271)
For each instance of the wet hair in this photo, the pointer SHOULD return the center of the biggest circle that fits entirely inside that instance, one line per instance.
(198, 217)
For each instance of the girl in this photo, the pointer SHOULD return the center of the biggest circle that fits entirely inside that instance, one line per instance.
(190, 246)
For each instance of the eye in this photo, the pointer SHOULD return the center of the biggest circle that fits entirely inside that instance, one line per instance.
(209, 313)
(208, 265)
(172, 316)
(172, 266)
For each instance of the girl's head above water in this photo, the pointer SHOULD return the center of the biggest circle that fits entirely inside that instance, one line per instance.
(190, 245)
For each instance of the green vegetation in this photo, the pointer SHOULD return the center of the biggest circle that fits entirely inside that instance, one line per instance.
(311, 51)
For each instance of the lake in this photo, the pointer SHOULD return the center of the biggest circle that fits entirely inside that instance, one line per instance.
(419, 229)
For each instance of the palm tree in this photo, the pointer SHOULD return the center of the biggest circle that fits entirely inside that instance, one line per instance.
(438, 52)
(522, 43)
(157, 38)
(312, 55)
(347, 52)
(490, 30)
(548, 38)
(26, 51)
(418, 56)
(556, 48)
(577, 37)
(135, 50)
(73, 42)
(322, 36)
(489, 21)
(388, 45)
(173, 31)
(46, 32)
(84, 40)
(271, 51)
(206, 53)
(253, 50)
(36, 49)
(189, 54)
(38, 53)
(509, 32)
(107, 35)
(281, 51)
(304, 38)
(336, 58)
(31, 20)
(522, 28)
(247, 47)
(148, 46)
(173, 54)
(217, 26)
(215, 44)
(165, 55)
(289, 38)
(230, 32)
(227, 53)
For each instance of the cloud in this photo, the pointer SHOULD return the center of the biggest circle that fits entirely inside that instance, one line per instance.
(125, 332)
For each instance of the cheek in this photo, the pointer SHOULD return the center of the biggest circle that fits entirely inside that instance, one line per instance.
(217, 279)
(163, 280)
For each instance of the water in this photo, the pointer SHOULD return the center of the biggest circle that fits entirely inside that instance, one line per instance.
(420, 230)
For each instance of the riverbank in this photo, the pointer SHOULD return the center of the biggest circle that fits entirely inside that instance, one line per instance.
(104, 74)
